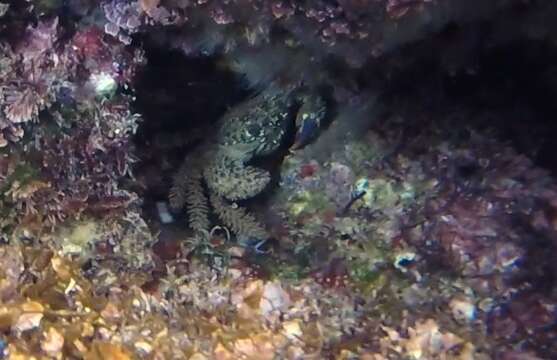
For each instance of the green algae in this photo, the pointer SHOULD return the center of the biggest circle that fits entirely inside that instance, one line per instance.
(307, 202)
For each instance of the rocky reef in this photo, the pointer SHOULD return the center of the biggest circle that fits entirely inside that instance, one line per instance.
(247, 179)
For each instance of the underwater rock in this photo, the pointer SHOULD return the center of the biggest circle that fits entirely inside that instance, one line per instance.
(463, 309)
(12, 269)
(475, 231)
(338, 204)
(274, 300)
(126, 238)
(52, 343)
(395, 234)
(103, 84)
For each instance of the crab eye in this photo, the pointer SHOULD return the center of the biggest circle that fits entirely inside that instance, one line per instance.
(253, 130)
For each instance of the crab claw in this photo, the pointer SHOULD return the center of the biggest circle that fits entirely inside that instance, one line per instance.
(305, 132)
(308, 123)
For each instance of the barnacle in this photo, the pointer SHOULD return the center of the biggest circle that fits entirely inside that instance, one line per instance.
(254, 128)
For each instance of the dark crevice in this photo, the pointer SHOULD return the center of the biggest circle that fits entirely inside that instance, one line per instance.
(507, 89)
(180, 99)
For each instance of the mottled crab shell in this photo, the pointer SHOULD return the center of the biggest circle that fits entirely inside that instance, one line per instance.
(257, 126)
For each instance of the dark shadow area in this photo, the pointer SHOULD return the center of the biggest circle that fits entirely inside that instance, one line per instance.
(464, 75)
(180, 99)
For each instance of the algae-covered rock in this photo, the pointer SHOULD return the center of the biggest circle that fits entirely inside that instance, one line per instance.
(103, 84)
(307, 203)
(127, 238)
(78, 238)
(375, 193)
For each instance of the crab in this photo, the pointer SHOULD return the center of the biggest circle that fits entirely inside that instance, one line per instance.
(254, 128)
